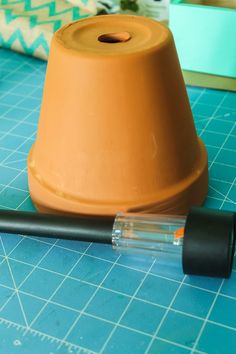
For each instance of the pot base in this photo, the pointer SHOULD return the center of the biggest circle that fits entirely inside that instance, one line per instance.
(177, 199)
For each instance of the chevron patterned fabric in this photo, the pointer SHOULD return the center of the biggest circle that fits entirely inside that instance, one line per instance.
(27, 25)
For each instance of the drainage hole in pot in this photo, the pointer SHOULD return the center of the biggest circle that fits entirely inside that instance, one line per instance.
(116, 37)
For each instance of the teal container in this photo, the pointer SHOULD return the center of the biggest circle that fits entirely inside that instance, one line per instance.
(205, 37)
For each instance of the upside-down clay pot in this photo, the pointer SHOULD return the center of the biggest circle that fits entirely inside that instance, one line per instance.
(116, 131)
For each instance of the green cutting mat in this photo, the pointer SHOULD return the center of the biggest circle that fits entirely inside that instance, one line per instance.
(68, 297)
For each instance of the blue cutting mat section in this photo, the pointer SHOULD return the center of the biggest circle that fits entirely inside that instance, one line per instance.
(68, 297)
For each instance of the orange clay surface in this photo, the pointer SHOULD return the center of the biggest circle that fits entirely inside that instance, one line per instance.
(116, 131)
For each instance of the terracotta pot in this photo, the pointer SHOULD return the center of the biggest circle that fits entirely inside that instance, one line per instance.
(116, 130)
